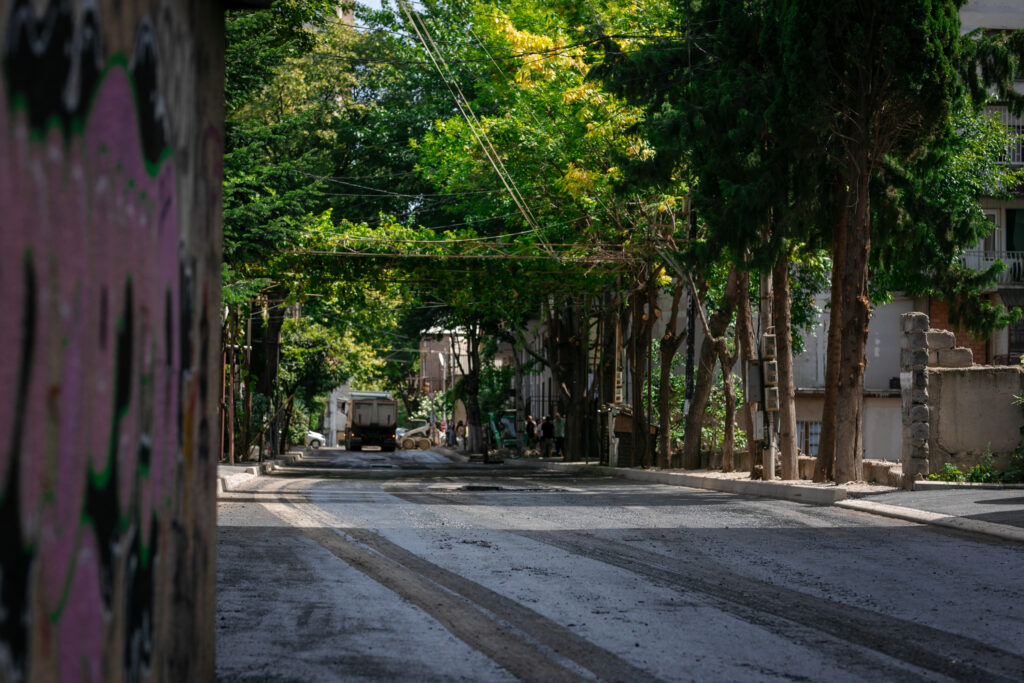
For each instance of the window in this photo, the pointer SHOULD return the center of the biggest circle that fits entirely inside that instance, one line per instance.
(990, 242)
(1014, 230)
(808, 435)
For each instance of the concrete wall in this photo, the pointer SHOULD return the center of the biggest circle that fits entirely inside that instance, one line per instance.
(110, 184)
(997, 14)
(971, 409)
(881, 421)
(883, 428)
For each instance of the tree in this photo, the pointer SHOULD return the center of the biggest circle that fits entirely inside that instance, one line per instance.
(560, 140)
(787, 112)
(890, 76)
(313, 361)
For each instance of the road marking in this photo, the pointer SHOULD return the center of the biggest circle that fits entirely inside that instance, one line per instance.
(780, 608)
(524, 642)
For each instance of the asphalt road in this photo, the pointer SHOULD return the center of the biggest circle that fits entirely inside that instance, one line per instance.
(406, 568)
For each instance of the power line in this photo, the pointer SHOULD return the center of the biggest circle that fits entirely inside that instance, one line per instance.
(467, 112)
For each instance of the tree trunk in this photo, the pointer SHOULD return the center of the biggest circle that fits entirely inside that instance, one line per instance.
(717, 326)
(520, 409)
(248, 386)
(856, 313)
(608, 366)
(576, 413)
(824, 467)
(784, 348)
(764, 321)
(667, 350)
(286, 425)
(745, 346)
(471, 389)
(729, 386)
(232, 354)
(639, 333)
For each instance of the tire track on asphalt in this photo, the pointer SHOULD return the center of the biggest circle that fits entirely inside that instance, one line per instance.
(524, 642)
(931, 649)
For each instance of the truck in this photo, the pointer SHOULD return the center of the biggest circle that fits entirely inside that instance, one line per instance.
(371, 421)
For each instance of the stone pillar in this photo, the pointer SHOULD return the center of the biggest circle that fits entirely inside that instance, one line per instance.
(914, 386)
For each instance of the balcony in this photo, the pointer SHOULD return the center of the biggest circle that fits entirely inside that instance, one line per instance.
(1014, 260)
(1015, 125)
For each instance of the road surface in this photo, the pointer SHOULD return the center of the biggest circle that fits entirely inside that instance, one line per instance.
(409, 568)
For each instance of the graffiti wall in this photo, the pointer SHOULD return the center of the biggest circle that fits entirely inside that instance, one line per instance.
(110, 141)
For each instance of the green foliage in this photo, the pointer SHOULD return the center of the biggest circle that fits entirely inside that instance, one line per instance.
(809, 272)
(1015, 474)
(494, 384)
(949, 472)
(984, 471)
(314, 360)
(300, 423)
(237, 291)
(927, 213)
(713, 429)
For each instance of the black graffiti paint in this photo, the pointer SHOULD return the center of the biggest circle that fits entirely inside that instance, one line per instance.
(139, 586)
(185, 338)
(101, 500)
(15, 555)
(150, 106)
(55, 69)
(38, 59)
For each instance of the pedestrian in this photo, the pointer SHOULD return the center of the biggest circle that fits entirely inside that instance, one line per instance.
(559, 432)
(460, 433)
(547, 436)
(531, 431)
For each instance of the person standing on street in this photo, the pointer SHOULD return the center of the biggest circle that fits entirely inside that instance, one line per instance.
(460, 434)
(559, 432)
(547, 436)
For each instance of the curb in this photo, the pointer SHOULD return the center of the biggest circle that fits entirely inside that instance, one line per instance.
(228, 482)
(1000, 531)
(942, 485)
(812, 495)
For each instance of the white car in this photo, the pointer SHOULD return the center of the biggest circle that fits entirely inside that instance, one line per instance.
(315, 439)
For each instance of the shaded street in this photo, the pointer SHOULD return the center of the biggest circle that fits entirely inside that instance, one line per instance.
(469, 572)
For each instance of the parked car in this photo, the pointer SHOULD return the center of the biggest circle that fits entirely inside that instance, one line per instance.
(315, 439)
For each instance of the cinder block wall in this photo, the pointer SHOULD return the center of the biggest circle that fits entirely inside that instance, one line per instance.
(110, 183)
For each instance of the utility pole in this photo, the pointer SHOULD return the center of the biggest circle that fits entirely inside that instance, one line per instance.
(691, 326)
(769, 377)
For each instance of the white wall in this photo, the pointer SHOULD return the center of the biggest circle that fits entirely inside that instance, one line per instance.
(998, 14)
(882, 350)
(882, 429)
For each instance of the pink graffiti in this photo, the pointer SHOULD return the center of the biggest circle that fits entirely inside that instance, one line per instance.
(92, 222)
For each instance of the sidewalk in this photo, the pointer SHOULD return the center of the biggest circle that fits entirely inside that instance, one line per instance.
(991, 510)
(996, 511)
